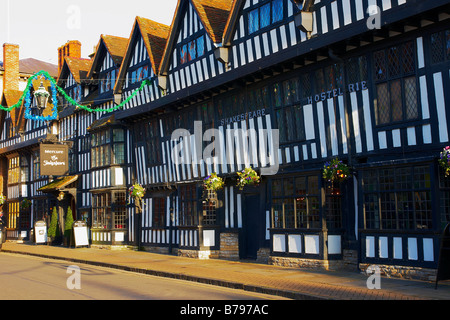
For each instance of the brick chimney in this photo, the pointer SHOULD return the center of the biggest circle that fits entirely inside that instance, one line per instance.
(11, 66)
(70, 49)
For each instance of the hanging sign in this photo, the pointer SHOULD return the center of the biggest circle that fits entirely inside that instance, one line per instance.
(444, 257)
(40, 232)
(54, 159)
(80, 232)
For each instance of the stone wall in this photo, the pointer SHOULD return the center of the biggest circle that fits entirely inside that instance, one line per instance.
(229, 246)
(402, 272)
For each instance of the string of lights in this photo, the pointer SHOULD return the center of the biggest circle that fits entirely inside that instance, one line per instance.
(26, 96)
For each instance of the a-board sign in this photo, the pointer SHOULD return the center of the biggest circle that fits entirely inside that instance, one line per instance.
(40, 232)
(444, 257)
(80, 232)
(54, 159)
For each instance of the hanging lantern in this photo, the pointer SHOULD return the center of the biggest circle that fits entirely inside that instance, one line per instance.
(41, 96)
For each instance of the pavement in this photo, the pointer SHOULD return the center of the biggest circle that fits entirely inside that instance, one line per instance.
(296, 284)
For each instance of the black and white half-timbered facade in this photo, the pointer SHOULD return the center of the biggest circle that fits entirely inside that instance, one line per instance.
(283, 87)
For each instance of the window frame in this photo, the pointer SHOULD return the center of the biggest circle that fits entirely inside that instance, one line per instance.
(389, 190)
(269, 21)
(387, 81)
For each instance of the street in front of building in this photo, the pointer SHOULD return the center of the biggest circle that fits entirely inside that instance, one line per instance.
(31, 278)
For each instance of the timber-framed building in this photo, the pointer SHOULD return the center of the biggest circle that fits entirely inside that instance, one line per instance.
(365, 81)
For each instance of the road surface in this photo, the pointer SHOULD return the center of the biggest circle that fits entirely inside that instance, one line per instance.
(32, 278)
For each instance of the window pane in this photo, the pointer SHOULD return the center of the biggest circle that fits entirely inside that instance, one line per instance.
(183, 54)
(201, 46)
(192, 54)
(396, 100)
(277, 10)
(412, 110)
(265, 15)
(119, 153)
(437, 48)
(253, 21)
(380, 65)
(408, 58)
(394, 62)
(382, 104)
(299, 123)
(281, 125)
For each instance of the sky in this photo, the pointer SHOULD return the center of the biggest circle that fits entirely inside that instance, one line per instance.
(41, 27)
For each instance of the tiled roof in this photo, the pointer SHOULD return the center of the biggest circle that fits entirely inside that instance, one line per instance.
(214, 16)
(230, 26)
(32, 66)
(155, 36)
(117, 47)
(10, 98)
(78, 67)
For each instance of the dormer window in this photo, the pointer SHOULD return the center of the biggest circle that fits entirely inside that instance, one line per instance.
(192, 50)
(107, 80)
(139, 74)
(268, 13)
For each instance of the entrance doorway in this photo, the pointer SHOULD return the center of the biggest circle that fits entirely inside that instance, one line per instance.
(249, 240)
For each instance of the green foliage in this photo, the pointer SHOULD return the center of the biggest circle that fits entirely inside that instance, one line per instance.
(213, 182)
(248, 177)
(53, 228)
(68, 223)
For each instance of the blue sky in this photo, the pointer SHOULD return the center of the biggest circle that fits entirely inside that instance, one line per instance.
(40, 27)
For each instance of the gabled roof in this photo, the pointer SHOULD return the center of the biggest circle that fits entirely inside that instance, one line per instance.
(214, 15)
(78, 67)
(10, 98)
(154, 35)
(116, 46)
(32, 66)
(231, 23)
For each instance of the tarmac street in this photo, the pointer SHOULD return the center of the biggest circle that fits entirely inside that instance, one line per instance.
(33, 278)
(282, 282)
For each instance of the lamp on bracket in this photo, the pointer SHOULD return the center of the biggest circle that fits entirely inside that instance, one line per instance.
(41, 95)
(304, 19)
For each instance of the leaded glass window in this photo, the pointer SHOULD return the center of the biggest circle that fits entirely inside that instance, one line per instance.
(269, 12)
(396, 84)
(440, 46)
(397, 198)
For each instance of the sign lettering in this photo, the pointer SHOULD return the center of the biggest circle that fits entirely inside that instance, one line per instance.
(54, 160)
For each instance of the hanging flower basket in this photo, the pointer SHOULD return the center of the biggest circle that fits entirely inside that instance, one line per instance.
(248, 177)
(444, 160)
(213, 182)
(25, 204)
(137, 191)
(336, 171)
